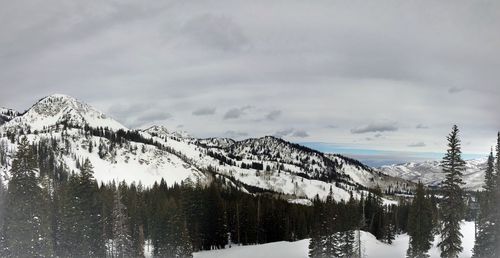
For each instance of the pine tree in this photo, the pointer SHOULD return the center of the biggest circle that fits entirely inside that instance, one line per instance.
(316, 244)
(215, 228)
(81, 222)
(496, 205)
(2, 207)
(184, 248)
(348, 243)
(3, 192)
(121, 236)
(484, 245)
(330, 233)
(171, 237)
(420, 225)
(388, 224)
(452, 204)
(133, 200)
(328, 239)
(25, 226)
(350, 220)
(91, 145)
(315, 247)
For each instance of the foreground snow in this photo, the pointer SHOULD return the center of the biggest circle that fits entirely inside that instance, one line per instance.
(372, 248)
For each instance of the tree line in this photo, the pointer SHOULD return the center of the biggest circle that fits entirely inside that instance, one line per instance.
(48, 211)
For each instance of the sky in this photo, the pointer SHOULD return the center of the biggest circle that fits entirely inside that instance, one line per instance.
(390, 76)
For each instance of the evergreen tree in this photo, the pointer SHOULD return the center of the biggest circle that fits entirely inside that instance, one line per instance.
(484, 245)
(122, 243)
(81, 222)
(133, 200)
(350, 218)
(390, 224)
(25, 227)
(496, 205)
(330, 235)
(184, 248)
(420, 225)
(2, 208)
(452, 204)
(171, 237)
(215, 230)
(316, 244)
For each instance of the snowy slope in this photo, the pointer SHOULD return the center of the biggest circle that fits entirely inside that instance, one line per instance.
(126, 163)
(157, 130)
(285, 167)
(430, 173)
(56, 109)
(367, 176)
(372, 248)
(267, 163)
(297, 188)
(7, 114)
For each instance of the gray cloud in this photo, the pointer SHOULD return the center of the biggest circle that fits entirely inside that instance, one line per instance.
(453, 90)
(283, 133)
(273, 115)
(417, 144)
(235, 134)
(375, 127)
(135, 115)
(204, 111)
(216, 31)
(422, 126)
(360, 63)
(235, 113)
(152, 116)
(292, 133)
(300, 134)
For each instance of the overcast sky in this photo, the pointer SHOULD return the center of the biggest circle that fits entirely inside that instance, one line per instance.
(385, 75)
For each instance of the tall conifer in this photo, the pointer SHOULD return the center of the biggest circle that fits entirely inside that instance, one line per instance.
(484, 245)
(25, 226)
(420, 225)
(452, 204)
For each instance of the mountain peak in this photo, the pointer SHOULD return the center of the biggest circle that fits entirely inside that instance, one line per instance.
(60, 108)
(59, 95)
(159, 129)
(163, 130)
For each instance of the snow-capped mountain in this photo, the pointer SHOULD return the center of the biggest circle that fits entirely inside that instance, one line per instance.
(7, 114)
(61, 109)
(157, 130)
(78, 131)
(430, 172)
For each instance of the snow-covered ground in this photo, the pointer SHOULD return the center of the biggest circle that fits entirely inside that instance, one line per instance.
(286, 168)
(372, 248)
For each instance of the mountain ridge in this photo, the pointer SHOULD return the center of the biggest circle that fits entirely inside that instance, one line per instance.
(430, 173)
(61, 109)
(267, 163)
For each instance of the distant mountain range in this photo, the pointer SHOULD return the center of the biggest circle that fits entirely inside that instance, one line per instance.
(259, 164)
(430, 173)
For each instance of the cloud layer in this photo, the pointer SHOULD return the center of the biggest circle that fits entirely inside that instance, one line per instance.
(214, 68)
(204, 111)
(377, 127)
